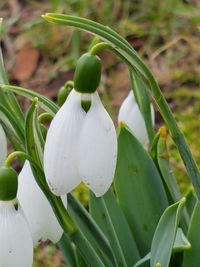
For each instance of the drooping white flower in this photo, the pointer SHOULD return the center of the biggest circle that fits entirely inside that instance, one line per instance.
(38, 212)
(3, 146)
(131, 115)
(60, 152)
(97, 148)
(80, 146)
(16, 246)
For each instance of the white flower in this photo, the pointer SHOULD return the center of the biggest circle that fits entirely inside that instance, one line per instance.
(16, 247)
(40, 216)
(131, 115)
(3, 146)
(97, 148)
(60, 152)
(80, 146)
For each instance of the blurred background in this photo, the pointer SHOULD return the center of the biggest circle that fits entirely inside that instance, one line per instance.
(42, 57)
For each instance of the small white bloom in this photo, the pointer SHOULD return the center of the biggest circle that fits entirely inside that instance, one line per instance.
(97, 148)
(40, 216)
(60, 152)
(3, 146)
(80, 146)
(131, 115)
(16, 247)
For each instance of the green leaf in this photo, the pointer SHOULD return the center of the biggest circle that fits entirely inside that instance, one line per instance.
(86, 250)
(91, 231)
(32, 130)
(45, 103)
(164, 237)
(144, 260)
(109, 217)
(192, 257)
(66, 246)
(12, 129)
(162, 161)
(181, 242)
(164, 167)
(139, 189)
(8, 99)
(191, 201)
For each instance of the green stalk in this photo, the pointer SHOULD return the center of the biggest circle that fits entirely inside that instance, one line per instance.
(121, 46)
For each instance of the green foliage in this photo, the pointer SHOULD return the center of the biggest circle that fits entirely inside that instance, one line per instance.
(133, 224)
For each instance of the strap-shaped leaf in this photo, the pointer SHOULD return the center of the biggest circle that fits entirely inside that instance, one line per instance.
(109, 217)
(65, 244)
(91, 231)
(33, 132)
(139, 189)
(164, 237)
(164, 167)
(191, 201)
(12, 129)
(8, 98)
(192, 257)
(86, 250)
(144, 260)
(181, 242)
(45, 103)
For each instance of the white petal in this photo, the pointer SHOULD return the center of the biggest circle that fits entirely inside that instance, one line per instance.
(97, 148)
(16, 247)
(60, 153)
(3, 146)
(131, 115)
(39, 214)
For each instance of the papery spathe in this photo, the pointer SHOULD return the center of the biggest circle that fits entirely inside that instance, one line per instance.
(16, 247)
(131, 115)
(40, 216)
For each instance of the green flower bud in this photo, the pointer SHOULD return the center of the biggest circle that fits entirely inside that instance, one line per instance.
(63, 94)
(87, 73)
(8, 183)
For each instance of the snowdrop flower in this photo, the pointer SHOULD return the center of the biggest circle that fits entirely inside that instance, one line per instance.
(38, 212)
(81, 144)
(3, 146)
(131, 115)
(16, 246)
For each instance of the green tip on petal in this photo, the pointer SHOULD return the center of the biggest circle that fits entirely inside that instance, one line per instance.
(8, 183)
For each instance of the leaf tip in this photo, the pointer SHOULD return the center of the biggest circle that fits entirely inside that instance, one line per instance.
(158, 264)
(46, 16)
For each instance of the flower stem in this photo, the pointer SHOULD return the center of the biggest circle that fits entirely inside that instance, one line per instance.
(98, 47)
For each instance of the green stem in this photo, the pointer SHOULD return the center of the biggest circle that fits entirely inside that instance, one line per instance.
(69, 84)
(98, 47)
(121, 46)
(14, 155)
(44, 117)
